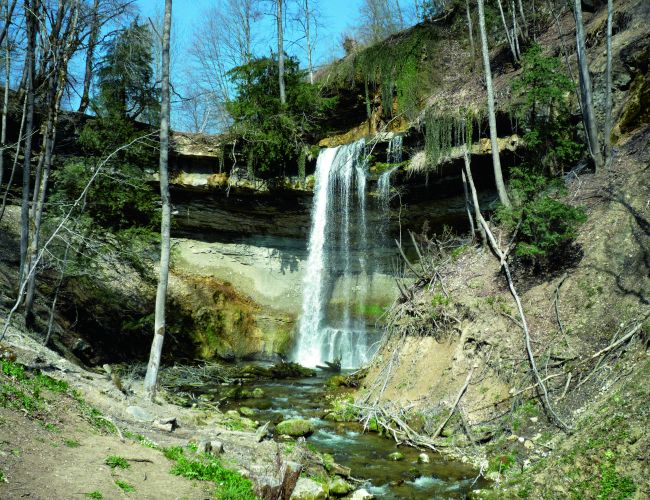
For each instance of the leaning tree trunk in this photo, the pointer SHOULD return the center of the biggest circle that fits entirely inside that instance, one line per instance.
(308, 37)
(283, 95)
(151, 377)
(608, 90)
(588, 113)
(496, 160)
(31, 8)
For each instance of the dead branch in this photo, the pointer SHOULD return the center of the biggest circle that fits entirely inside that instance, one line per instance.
(529, 350)
(458, 398)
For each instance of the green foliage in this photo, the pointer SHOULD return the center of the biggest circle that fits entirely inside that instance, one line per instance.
(124, 486)
(71, 443)
(3, 478)
(95, 495)
(24, 392)
(125, 76)
(613, 486)
(501, 463)
(544, 224)
(273, 134)
(114, 461)
(541, 102)
(230, 484)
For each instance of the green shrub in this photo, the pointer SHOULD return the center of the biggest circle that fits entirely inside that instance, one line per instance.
(113, 461)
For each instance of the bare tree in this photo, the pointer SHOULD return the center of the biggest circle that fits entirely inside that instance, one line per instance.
(588, 113)
(608, 90)
(90, 54)
(470, 28)
(280, 33)
(151, 378)
(496, 160)
(5, 100)
(31, 8)
(9, 10)
(378, 20)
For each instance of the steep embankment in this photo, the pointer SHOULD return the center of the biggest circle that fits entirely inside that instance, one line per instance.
(461, 347)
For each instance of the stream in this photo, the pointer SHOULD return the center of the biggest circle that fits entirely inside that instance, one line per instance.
(365, 453)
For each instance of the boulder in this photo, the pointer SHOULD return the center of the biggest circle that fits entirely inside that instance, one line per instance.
(257, 393)
(362, 494)
(140, 414)
(295, 427)
(423, 458)
(340, 487)
(396, 456)
(246, 411)
(308, 489)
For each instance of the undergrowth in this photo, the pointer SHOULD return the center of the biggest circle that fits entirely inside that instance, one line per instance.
(204, 467)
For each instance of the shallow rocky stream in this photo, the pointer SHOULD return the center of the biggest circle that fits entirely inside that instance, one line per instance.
(365, 453)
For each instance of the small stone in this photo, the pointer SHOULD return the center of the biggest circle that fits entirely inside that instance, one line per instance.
(340, 487)
(512, 437)
(204, 447)
(162, 427)
(139, 414)
(528, 444)
(362, 494)
(536, 437)
(534, 419)
(217, 447)
(521, 439)
(396, 456)
(232, 414)
(423, 458)
(262, 432)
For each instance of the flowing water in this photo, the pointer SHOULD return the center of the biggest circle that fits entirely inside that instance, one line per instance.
(365, 453)
(338, 242)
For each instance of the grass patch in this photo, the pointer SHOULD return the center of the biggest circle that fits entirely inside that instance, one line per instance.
(114, 461)
(612, 484)
(124, 486)
(71, 443)
(230, 484)
(3, 478)
(95, 495)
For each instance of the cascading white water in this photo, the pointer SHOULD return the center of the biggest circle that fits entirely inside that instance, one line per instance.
(393, 156)
(338, 231)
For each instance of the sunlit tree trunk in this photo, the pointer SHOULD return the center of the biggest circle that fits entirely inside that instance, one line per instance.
(496, 160)
(470, 28)
(308, 37)
(608, 95)
(5, 99)
(588, 113)
(151, 378)
(283, 95)
(31, 7)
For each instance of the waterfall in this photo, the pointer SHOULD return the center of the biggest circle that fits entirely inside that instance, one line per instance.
(337, 246)
(393, 156)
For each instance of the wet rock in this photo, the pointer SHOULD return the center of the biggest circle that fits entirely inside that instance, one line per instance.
(295, 427)
(396, 456)
(413, 473)
(246, 411)
(340, 487)
(528, 444)
(340, 470)
(308, 489)
(140, 414)
(423, 458)
(362, 494)
(257, 393)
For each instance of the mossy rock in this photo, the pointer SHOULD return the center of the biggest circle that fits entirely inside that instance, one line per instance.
(396, 456)
(637, 109)
(295, 427)
(246, 411)
(337, 381)
(340, 487)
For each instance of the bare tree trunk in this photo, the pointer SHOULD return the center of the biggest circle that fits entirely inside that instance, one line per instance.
(524, 22)
(470, 28)
(468, 204)
(151, 378)
(9, 11)
(50, 321)
(496, 160)
(309, 47)
(5, 100)
(588, 113)
(608, 91)
(477, 207)
(31, 7)
(510, 37)
(283, 95)
(90, 53)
